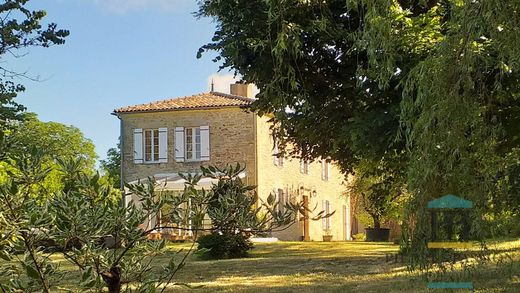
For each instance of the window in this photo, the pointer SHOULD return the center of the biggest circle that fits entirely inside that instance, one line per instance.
(277, 158)
(151, 145)
(304, 166)
(326, 222)
(325, 169)
(281, 201)
(283, 198)
(193, 144)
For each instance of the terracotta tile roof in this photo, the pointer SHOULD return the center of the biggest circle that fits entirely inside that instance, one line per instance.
(199, 101)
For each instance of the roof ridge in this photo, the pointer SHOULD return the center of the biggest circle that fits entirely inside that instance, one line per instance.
(169, 104)
(242, 98)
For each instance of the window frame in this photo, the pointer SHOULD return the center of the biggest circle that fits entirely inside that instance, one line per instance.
(193, 144)
(154, 146)
(327, 210)
(305, 164)
(325, 170)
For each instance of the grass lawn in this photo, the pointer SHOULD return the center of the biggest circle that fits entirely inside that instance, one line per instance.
(325, 267)
(329, 267)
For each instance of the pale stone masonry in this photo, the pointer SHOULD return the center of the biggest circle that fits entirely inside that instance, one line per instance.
(180, 135)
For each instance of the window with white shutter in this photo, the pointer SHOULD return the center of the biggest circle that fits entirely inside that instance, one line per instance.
(138, 146)
(325, 169)
(304, 166)
(278, 159)
(323, 220)
(326, 222)
(163, 145)
(179, 144)
(329, 219)
(281, 201)
(196, 143)
(204, 143)
(151, 145)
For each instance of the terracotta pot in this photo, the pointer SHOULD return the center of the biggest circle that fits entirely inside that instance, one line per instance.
(327, 238)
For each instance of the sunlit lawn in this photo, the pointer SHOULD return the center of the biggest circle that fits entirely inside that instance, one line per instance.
(327, 267)
(321, 267)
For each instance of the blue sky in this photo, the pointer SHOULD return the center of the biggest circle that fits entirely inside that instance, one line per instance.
(120, 52)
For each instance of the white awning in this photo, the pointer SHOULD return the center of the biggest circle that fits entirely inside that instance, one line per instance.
(172, 181)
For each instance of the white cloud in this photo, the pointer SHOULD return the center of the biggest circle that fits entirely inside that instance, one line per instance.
(124, 6)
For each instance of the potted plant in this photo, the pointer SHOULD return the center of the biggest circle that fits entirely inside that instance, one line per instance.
(327, 237)
(379, 186)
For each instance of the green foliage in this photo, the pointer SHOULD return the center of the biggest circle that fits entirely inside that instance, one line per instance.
(361, 79)
(221, 246)
(77, 221)
(235, 214)
(112, 166)
(312, 74)
(55, 142)
(381, 186)
(20, 28)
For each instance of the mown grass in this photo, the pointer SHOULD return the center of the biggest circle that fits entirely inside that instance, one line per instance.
(323, 267)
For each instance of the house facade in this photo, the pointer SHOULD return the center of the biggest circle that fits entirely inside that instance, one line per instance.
(166, 137)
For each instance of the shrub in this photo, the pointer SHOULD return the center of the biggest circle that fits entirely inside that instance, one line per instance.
(220, 246)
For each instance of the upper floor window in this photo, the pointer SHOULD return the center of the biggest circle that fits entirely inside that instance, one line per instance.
(278, 159)
(192, 144)
(325, 169)
(304, 166)
(150, 145)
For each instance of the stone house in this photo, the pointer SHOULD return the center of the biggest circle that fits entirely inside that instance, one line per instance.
(163, 138)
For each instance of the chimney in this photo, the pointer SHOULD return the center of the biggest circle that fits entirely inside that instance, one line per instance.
(240, 89)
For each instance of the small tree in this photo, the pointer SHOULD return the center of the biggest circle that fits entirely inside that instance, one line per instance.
(236, 214)
(75, 222)
(112, 166)
(379, 185)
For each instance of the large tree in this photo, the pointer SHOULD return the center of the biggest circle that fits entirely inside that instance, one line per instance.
(54, 142)
(20, 28)
(304, 57)
(344, 77)
(317, 79)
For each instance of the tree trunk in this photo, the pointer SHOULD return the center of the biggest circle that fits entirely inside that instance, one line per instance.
(377, 222)
(113, 279)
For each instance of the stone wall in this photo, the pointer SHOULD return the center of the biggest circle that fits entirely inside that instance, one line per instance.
(289, 177)
(231, 140)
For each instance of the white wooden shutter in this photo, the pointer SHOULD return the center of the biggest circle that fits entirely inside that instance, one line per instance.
(323, 220)
(302, 167)
(276, 160)
(328, 170)
(179, 144)
(204, 143)
(163, 145)
(329, 219)
(282, 200)
(323, 169)
(138, 146)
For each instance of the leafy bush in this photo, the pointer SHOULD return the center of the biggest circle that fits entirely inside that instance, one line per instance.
(221, 246)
